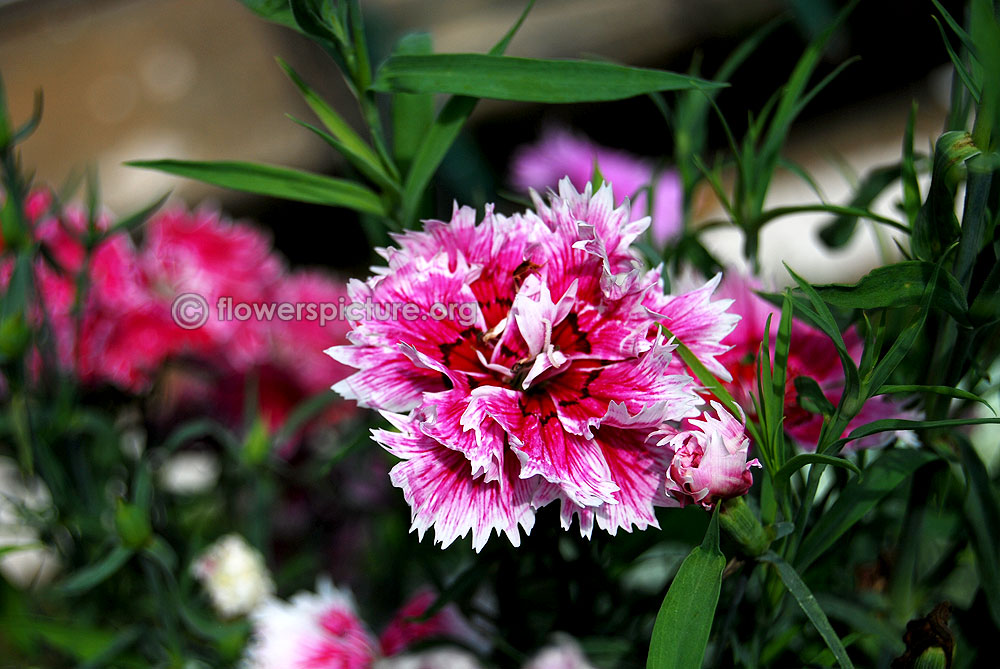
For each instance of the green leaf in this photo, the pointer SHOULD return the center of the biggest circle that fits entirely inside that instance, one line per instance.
(811, 398)
(91, 575)
(412, 115)
(331, 120)
(824, 321)
(684, 622)
(839, 231)
(937, 227)
(371, 170)
(706, 377)
(982, 511)
(443, 132)
(800, 591)
(858, 497)
(893, 424)
(803, 459)
(133, 221)
(908, 171)
(275, 181)
(946, 391)
(901, 284)
(527, 79)
(272, 10)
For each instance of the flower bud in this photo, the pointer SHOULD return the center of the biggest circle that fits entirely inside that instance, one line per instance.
(709, 459)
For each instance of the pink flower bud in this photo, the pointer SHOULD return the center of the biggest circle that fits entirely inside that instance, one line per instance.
(709, 459)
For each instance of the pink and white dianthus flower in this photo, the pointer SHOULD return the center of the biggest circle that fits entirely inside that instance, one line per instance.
(551, 390)
(709, 459)
(559, 153)
(811, 353)
(318, 630)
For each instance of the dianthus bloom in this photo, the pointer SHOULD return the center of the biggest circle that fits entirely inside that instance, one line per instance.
(311, 631)
(709, 461)
(560, 153)
(323, 630)
(811, 353)
(551, 390)
(234, 575)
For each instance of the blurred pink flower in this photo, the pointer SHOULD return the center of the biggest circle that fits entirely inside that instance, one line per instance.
(200, 252)
(318, 630)
(405, 629)
(560, 153)
(549, 390)
(811, 354)
(709, 459)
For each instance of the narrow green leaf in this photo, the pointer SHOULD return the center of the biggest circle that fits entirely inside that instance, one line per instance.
(333, 122)
(901, 284)
(803, 459)
(371, 170)
(684, 622)
(960, 68)
(704, 376)
(800, 591)
(913, 389)
(904, 342)
(839, 231)
(275, 181)
(777, 212)
(893, 424)
(94, 574)
(272, 10)
(857, 498)
(908, 171)
(412, 115)
(982, 511)
(443, 132)
(811, 398)
(133, 221)
(527, 79)
(826, 323)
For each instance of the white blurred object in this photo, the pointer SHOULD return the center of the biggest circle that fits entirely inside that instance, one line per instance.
(25, 562)
(189, 472)
(439, 658)
(563, 653)
(234, 575)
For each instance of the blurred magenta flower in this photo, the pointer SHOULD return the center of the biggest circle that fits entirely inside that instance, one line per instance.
(407, 628)
(324, 630)
(311, 631)
(201, 252)
(811, 354)
(549, 390)
(709, 459)
(560, 153)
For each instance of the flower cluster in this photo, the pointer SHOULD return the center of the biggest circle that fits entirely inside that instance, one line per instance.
(560, 153)
(108, 307)
(556, 390)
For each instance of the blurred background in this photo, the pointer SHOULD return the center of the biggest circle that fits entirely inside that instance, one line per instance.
(196, 79)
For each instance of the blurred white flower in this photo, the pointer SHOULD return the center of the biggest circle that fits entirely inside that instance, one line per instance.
(189, 472)
(24, 560)
(234, 575)
(563, 653)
